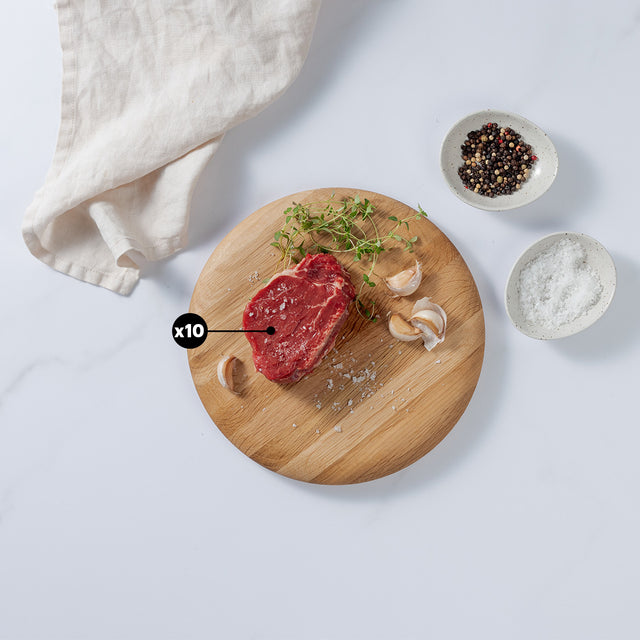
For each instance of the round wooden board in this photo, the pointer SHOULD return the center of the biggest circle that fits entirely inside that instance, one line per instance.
(391, 401)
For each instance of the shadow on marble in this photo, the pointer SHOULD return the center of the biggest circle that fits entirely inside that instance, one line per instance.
(218, 194)
(617, 330)
(166, 276)
(572, 193)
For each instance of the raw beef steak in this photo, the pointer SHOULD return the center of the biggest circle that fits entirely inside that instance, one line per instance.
(307, 305)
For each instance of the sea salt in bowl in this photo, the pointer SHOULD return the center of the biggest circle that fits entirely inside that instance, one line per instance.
(560, 285)
(543, 171)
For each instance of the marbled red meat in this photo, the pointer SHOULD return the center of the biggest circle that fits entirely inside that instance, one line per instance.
(307, 305)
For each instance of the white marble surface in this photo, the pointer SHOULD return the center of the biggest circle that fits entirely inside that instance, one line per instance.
(124, 513)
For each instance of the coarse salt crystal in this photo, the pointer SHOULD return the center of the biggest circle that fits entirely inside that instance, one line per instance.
(558, 286)
(337, 428)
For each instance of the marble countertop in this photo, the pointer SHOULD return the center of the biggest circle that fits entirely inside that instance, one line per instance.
(125, 513)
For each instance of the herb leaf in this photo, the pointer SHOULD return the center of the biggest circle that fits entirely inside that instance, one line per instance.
(340, 226)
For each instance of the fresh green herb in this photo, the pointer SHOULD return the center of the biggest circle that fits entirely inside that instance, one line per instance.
(341, 226)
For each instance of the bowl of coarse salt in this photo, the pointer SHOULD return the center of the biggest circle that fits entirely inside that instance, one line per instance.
(560, 285)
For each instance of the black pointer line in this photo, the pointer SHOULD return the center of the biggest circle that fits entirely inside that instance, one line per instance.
(269, 330)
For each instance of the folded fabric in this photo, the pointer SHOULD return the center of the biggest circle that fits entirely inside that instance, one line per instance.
(149, 89)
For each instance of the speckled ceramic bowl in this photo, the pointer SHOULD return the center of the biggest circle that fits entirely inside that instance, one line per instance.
(597, 258)
(542, 175)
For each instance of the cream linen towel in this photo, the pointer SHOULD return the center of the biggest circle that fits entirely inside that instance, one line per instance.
(149, 88)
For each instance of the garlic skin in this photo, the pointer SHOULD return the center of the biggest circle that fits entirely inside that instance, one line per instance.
(406, 282)
(225, 372)
(400, 329)
(431, 319)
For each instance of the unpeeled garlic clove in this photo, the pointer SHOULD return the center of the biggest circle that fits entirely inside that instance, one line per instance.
(225, 372)
(406, 282)
(431, 319)
(400, 329)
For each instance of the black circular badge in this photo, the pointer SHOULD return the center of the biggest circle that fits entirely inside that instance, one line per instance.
(189, 330)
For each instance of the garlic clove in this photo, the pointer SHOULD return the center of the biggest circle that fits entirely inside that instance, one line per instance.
(226, 367)
(400, 329)
(431, 319)
(406, 282)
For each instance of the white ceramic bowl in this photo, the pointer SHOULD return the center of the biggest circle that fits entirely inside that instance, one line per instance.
(542, 175)
(597, 258)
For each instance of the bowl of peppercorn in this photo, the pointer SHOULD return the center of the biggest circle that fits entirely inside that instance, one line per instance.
(496, 160)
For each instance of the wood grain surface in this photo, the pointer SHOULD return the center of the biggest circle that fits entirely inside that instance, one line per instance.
(374, 405)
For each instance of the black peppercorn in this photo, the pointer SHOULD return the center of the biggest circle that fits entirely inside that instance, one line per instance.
(496, 160)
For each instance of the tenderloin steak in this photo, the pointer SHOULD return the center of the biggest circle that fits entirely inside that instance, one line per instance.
(307, 305)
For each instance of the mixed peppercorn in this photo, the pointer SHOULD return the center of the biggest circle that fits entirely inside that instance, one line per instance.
(496, 161)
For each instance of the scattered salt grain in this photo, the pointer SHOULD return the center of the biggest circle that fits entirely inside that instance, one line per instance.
(294, 425)
(338, 428)
(317, 430)
(438, 361)
(558, 286)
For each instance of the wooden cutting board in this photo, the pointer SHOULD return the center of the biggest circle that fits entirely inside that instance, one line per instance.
(374, 405)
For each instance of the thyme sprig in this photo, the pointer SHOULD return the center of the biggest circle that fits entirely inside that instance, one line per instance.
(341, 226)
